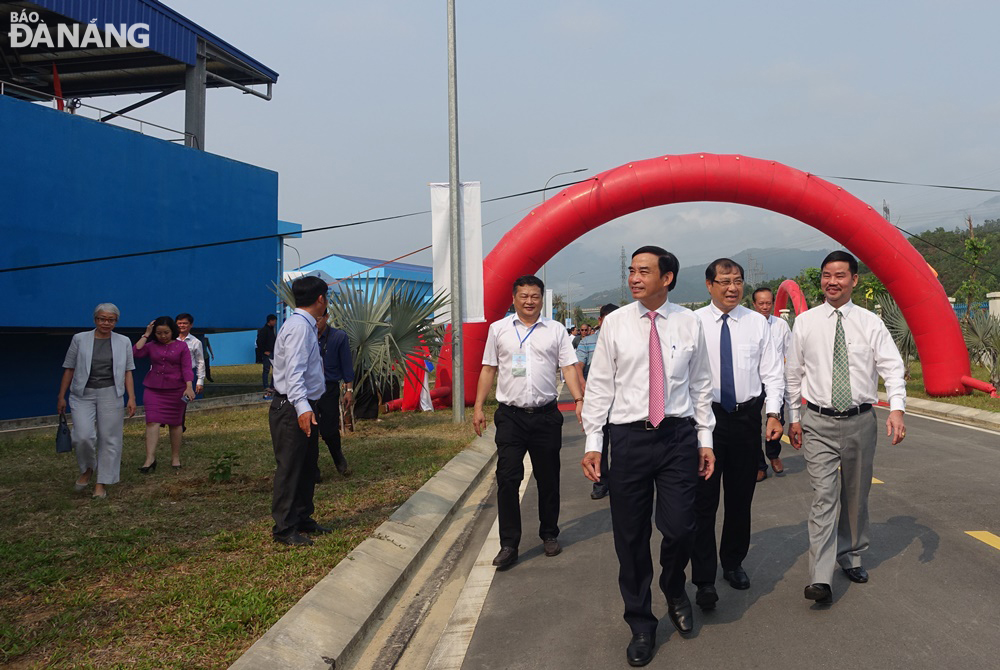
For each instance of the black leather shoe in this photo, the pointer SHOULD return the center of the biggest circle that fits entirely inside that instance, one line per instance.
(640, 649)
(737, 578)
(313, 528)
(600, 491)
(680, 614)
(551, 547)
(857, 575)
(293, 539)
(506, 558)
(706, 597)
(146, 469)
(821, 593)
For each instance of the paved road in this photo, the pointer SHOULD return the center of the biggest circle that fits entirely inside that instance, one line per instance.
(932, 601)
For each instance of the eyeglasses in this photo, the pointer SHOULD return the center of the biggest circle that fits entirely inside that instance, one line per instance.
(106, 319)
(738, 283)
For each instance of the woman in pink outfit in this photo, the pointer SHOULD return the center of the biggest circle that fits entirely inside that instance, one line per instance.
(167, 386)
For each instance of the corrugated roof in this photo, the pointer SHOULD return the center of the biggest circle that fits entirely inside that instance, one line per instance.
(170, 33)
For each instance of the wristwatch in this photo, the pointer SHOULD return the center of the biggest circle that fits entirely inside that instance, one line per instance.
(774, 415)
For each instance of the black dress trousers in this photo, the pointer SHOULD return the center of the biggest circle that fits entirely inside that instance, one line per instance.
(329, 421)
(736, 439)
(296, 458)
(538, 434)
(664, 460)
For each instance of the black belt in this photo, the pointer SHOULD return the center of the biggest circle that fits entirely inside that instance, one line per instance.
(646, 425)
(532, 410)
(739, 406)
(826, 411)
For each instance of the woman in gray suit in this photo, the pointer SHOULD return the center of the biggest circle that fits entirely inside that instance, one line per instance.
(97, 373)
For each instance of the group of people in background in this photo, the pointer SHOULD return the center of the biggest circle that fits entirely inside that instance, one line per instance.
(97, 373)
(676, 403)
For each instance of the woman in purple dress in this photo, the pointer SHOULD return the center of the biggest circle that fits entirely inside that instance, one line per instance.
(167, 386)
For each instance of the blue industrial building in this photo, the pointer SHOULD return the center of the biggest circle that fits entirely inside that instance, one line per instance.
(77, 188)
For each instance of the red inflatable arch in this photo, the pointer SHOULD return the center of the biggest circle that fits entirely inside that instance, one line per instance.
(789, 289)
(747, 181)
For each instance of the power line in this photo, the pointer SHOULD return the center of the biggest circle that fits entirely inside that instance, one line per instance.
(909, 183)
(257, 238)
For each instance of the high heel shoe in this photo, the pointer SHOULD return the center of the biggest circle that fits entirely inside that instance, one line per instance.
(177, 468)
(146, 469)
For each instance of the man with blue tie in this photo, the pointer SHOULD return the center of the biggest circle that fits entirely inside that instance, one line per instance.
(837, 353)
(743, 358)
(651, 380)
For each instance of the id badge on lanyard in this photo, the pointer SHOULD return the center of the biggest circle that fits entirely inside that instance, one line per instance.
(519, 365)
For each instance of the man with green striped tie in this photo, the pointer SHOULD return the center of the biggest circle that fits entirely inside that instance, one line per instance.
(838, 351)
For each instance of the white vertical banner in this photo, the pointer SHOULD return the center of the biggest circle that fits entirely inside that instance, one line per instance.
(547, 308)
(472, 248)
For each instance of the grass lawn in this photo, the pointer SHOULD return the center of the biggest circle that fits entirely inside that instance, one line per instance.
(234, 379)
(978, 399)
(173, 570)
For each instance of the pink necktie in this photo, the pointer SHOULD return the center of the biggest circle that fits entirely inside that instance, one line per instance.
(656, 398)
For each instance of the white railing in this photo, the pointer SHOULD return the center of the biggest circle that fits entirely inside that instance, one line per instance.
(75, 105)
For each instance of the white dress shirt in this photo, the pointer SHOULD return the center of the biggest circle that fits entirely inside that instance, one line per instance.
(197, 357)
(870, 353)
(545, 347)
(298, 366)
(781, 335)
(618, 384)
(755, 359)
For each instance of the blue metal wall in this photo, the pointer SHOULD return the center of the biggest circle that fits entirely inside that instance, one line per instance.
(74, 188)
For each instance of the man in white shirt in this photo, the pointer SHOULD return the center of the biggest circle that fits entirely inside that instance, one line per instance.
(652, 381)
(527, 351)
(298, 384)
(781, 336)
(838, 351)
(184, 322)
(743, 359)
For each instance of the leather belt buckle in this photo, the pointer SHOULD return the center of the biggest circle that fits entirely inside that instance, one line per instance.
(647, 425)
(528, 410)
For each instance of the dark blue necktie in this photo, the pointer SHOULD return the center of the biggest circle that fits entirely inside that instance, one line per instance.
(726, 379)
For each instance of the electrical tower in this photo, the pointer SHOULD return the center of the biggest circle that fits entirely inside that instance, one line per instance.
(755, 273)
(621, 299)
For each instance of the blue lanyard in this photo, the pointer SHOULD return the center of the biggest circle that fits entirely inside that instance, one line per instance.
(522, 340)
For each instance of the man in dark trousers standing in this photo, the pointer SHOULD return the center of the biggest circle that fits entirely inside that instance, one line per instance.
(743, 359)
(298, 385)
(651, 379)
(265, 350)
(335, 350)
(527, 351)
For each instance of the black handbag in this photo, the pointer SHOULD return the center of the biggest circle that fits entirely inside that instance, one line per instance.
(64, 443)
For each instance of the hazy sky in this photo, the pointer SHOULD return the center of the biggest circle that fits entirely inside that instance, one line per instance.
(358, 124)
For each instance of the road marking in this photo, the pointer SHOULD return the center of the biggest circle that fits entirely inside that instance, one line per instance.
(453, 645)
(985, 536)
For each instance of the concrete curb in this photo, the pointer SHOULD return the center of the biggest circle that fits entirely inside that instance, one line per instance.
(941, 410)
(328, 624)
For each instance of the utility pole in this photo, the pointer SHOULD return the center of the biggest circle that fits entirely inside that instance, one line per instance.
(885, 210)
(755, 273)
(458, 373)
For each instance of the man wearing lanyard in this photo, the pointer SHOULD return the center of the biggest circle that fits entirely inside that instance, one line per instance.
(527, 351)
(743, 357)
(838, 351)
(651, 379)
(298, 385)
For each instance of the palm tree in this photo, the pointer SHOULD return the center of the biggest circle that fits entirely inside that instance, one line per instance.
(892, 316)
(386, 328)
(982, 339)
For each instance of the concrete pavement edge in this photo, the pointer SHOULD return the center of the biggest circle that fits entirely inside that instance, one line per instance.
(970, 416)
(328, 625)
